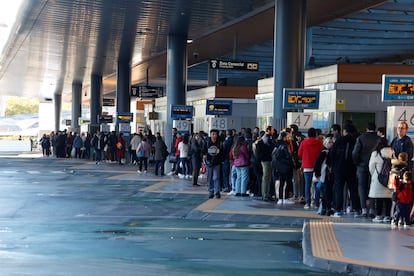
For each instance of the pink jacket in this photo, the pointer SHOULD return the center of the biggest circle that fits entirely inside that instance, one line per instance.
(243, 159)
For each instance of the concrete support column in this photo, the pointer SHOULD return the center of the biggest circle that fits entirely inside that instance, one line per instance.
(176, 77)
(57, 100)
(76, 105)
(96, 102)
(123, 86)
(289, 56)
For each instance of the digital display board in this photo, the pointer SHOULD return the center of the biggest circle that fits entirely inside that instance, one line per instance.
(398, 88)
(124, 117)
(295, 98)
(105, 119)
(181, 111)
(219, 107)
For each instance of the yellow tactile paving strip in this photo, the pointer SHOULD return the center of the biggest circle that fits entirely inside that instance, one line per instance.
(325, 246)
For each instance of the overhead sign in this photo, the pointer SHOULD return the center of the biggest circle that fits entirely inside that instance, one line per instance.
(83, 121)
(234, 65)
(398, 88)
(105, 119)
(219, 107)
(153, 115)
(68, 122)
(124, 117)
(182, 111)
(147, 92)
(108, 102)
(295, 98)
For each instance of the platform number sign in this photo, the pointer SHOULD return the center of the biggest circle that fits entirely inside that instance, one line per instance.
(182, 126)
(218, 123)
(303, 120)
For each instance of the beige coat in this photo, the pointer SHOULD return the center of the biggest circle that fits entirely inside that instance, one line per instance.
(377, 190)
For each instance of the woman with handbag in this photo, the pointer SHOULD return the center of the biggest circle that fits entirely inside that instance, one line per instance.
(161, 154)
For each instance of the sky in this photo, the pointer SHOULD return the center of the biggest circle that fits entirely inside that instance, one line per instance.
(8, 12)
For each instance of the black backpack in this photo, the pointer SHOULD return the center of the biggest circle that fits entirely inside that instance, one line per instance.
(384, 173)
(258, 148)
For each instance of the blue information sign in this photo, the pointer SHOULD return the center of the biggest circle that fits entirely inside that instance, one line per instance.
(295, 98)
(124, 117)
(182, 111)
(398, 88)
(219, 107)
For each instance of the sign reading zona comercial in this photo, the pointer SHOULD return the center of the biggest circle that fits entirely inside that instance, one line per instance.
(234, 65)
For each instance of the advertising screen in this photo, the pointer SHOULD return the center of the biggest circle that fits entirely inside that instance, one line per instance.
(398, 88)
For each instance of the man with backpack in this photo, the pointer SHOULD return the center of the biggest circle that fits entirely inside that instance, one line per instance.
(365, 144)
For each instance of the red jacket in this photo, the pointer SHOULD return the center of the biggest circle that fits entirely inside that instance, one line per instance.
(309, 150)
(405, 195)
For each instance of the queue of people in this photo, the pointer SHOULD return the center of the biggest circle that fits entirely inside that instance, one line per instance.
(335, 173)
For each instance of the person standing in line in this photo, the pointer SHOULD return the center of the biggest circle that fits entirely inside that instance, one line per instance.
(161, 154)
(296, 138)
(45, 142)
(282, 166)
(344, 170)
(241, 157)
(183, 148)
(265, 157)
(173, 150)
(196, 148)
(77, 144)
(227, 145)
(380, 194)
(309, 151)
(364, 146)
(143, 159)
(213, 158)
(120, 148)
(402, 142)
(98, 143)
(136, 139)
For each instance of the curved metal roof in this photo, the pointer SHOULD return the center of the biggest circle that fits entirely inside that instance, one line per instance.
(59, 42)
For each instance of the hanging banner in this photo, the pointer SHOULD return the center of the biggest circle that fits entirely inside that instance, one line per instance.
(295, 98)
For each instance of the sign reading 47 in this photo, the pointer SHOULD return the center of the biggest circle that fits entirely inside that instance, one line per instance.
(303, 120)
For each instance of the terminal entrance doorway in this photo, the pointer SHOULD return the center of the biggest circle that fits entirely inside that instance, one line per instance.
(359, 119)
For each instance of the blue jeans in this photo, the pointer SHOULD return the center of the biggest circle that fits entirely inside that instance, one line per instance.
(308, 183)
(242, 179)
(233, 178)
(213, 180)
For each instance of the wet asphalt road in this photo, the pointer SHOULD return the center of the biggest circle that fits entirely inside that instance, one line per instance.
(68, 217)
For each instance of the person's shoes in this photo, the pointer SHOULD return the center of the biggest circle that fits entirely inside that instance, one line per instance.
(218, 196)
(244, 195)
(170, 173)
(371, 216)
(378, 219)
(288, 202)
(138, 171)
(337, 215)
(181, 176)
(360, 215)
(306, 207)
(386, 219)
(231, 193)
(210, 195)
(279, 202)
(238, 194)
(330, 212)
(196, 185)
